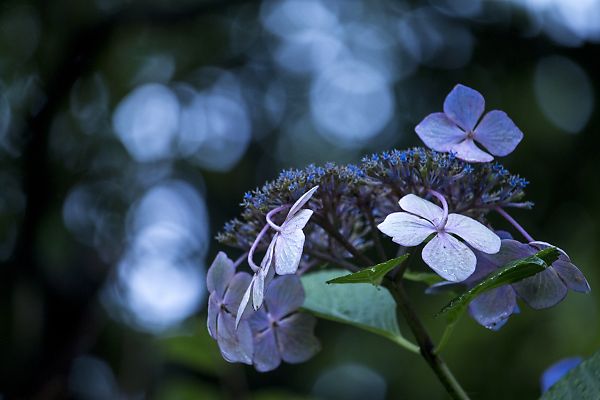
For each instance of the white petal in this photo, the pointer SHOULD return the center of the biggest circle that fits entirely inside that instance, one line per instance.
(449, 258)
(421, 207)
(474, 233)
(406, 229)
(288, 251)
(244, 303)
(301, 202)
(297, 222)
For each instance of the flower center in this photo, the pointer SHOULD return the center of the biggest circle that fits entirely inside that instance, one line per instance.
(470, 135)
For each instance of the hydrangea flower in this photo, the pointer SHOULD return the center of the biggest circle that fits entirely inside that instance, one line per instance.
(447, 256)
(543, 290)
(281, 333)
(456, 129)
(285, 250)
(226, 288)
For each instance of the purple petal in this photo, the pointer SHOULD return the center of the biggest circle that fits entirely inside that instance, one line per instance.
(422, 208)
(485, 266)
(266, 353)
(406, 229)
(219, 274)
(449, 258)
(557, 370)
(301, 202)
(297, 222)
(285, 294)
(571, 276)
(235, 343)
(439, 133)
(511, 250)
(296, 339)
(464, 106)
(213, 313)
(497, 133)
(542, 290)
(492, 308)
(259, 321)
(474, 233)
(235, 291)
(288, 251)
(468, 151)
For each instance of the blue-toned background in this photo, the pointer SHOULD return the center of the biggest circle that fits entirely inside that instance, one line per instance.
(129, 131)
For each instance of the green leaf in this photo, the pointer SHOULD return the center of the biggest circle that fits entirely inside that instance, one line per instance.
(512, 272)
(373, 275)
(361, 305)
(580, 383)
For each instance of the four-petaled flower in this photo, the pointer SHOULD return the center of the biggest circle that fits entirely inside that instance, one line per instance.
(285, 251)
(226, 288)
(456, 129)
(446, 255)
(281, 333)
(543, 290)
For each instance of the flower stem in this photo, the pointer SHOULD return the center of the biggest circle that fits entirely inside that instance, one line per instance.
(254, 246)
(405, 310)
(427, 349)
(514, 223)
(270, 216)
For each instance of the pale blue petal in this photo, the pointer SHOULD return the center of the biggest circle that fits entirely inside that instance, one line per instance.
(406, 229)
(464, 106)
(474, 233)
(492, 308)
(285, 294)
(295, 338)
(542, 290)
(449, 258)
(266, 353)
(219, 274)
(439, 133)
(236, 344)
(498, 134)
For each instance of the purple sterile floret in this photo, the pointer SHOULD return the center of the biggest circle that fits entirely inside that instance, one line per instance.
(279, 331)
(226, 289)
(456, 129)
(545, 289)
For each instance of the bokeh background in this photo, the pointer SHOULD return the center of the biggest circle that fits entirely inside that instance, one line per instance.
(129, 131)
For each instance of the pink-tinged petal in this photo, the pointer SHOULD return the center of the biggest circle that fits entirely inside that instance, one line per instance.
(497, 133)
(421, 207)
(301, 202)
(542, 290)
(474, 233)
(492, 308)
(406, 229)
(219, 274)
(439, 133)
(235, 343)
(464, 106)
(285, 294)
(213, 313)
(266, 353)
(235, 291)
(244, 303)
(449, 258)
(571, 276)
(297, 222)
(468, 151)
(288, 252)
(295, 338)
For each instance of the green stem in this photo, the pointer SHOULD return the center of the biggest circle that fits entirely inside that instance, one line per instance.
(427, 349)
